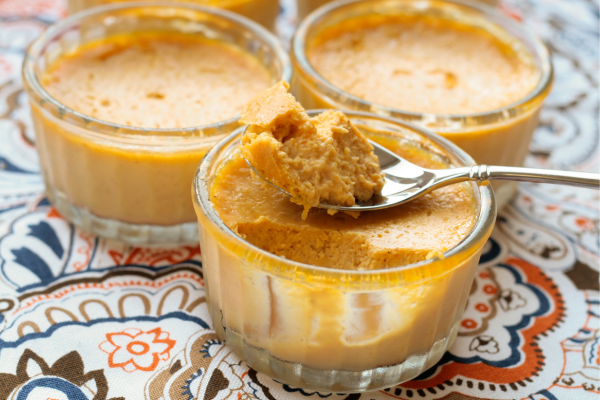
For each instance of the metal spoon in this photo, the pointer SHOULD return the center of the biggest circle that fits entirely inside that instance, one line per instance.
(405, 181)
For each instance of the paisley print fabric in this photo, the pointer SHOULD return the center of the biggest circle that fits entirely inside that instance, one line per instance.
(86, 318)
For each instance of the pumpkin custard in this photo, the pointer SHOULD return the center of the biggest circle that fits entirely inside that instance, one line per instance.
(265, 217)
(464, 71)
(332, 302)
(153, 80)
(321, 159)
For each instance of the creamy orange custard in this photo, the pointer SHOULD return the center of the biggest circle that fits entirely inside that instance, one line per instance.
(320, 159)
(262, 11)
(424, 65)
(402, 235)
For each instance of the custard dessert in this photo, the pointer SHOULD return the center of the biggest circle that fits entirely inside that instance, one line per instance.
(464, 71)
(333, 302)
(320, 159)
(126, 101)
(149, 80)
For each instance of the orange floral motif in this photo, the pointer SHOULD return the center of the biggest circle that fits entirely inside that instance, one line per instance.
(53, 213)
(86, 250)
(468, 323)
(134, 349)
(584, 223)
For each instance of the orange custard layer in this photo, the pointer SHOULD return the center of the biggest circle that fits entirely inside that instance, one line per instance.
(156, 80)
(423, 64)
(401, 235)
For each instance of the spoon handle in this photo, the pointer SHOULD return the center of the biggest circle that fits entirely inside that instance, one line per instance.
(482, 173)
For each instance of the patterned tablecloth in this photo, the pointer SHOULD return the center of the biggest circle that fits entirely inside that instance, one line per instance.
(86, 318)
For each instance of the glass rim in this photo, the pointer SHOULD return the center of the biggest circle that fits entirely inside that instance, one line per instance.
(541, 52)
(114, 130)
(485, 218)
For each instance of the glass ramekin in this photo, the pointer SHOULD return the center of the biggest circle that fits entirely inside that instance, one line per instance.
(262, 11)
(121, 182)
(497, 137)
(288, 319)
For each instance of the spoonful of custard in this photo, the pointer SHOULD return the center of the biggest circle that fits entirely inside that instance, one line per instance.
(320, 162)
(326, 162)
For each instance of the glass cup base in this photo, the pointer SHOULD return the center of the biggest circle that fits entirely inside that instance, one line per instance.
(337, 381)
(133, 234)
(504, 193)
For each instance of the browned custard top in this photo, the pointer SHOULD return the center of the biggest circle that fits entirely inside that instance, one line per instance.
(157, 80)
(423, 64)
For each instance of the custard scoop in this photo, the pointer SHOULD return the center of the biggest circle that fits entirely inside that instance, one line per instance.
(405, 181)
(319, 160)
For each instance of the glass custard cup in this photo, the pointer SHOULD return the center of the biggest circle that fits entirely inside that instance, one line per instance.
(496, 137)
(262, 11)
(123, 182)
(290, 320)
